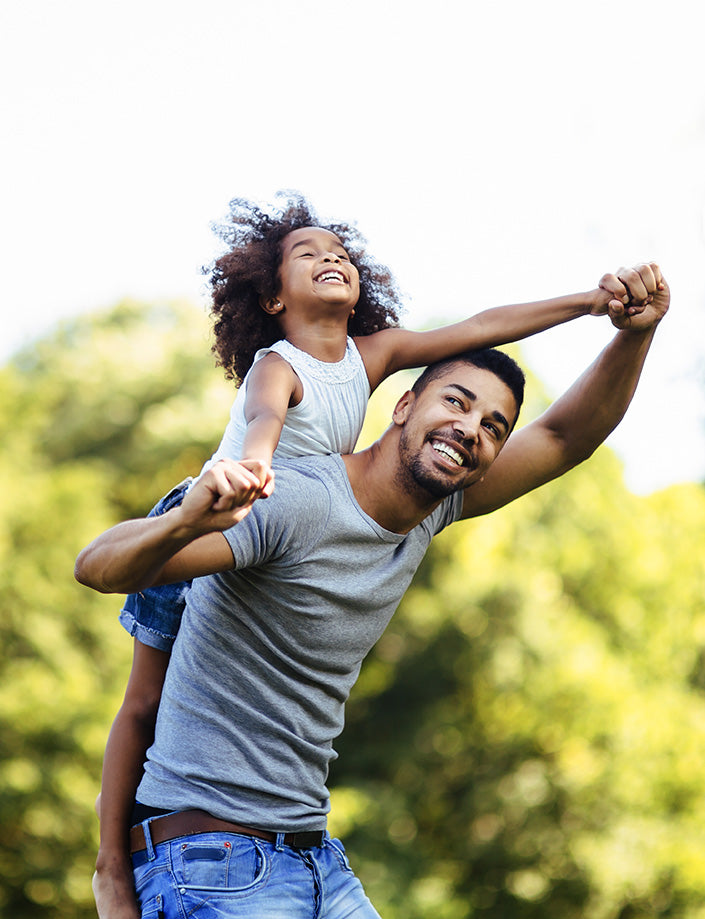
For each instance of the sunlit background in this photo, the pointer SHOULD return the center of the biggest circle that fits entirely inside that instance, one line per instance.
(536, 707)
(490, 152)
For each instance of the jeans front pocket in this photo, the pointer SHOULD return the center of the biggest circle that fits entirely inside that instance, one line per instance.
(220, 862)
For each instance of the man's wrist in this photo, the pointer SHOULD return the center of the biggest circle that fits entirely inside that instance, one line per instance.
(636, 333)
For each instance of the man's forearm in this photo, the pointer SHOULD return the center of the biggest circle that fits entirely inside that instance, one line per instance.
(185, 542)
(129, 556)
(597, 401)
(595, 404)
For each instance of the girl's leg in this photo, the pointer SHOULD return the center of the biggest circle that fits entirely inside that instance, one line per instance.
(130, 736)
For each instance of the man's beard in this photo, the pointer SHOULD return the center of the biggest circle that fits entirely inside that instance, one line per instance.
(414, 474)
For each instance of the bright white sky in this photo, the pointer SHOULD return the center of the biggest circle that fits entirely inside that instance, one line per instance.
(490, 152)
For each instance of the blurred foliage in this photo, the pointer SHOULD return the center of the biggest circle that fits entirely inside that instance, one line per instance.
(526, 739)
(96, 422)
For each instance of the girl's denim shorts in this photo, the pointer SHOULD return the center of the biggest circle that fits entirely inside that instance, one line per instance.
(153, 616)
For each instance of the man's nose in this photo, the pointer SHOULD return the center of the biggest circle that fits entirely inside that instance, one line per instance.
(467, 427)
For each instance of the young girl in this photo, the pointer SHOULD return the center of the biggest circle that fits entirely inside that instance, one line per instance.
(307, 322)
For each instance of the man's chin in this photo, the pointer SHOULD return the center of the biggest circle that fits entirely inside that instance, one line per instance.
(427, 475)
(439, 486)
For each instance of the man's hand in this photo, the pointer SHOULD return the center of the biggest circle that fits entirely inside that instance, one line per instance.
(640, 297)
(224, 495)
(114, 893)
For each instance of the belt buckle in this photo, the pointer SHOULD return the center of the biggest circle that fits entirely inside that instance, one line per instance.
(313, 838)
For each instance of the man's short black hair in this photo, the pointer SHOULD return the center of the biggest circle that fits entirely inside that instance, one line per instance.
(497, 362)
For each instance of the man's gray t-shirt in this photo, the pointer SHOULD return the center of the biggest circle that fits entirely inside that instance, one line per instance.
(267, 652)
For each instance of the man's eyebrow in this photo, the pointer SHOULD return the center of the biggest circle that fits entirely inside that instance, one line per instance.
(469, 394)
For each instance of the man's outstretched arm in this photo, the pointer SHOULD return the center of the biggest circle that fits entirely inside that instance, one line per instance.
(184, 543)
(572, 428)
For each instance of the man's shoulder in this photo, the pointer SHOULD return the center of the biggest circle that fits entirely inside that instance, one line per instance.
(326, 471)
(293, 518)
(305, 486)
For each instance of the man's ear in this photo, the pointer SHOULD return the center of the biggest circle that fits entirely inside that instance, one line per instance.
(403, 407)
(272, 306)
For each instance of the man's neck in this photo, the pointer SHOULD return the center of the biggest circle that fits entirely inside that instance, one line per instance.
(373, 475)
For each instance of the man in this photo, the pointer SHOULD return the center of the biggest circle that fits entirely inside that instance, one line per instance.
(291, 594)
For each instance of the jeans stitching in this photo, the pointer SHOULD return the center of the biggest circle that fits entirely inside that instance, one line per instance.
(339, 853)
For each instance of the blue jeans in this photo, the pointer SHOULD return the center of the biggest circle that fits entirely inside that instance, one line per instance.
(228, 876)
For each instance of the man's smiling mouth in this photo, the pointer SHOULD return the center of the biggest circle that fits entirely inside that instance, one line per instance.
(440, 446)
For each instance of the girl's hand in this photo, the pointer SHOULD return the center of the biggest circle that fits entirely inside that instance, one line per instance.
(614, 298)
(225, 495)
(264, 472)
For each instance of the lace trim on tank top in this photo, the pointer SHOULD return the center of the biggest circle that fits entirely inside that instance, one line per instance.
(336, 372)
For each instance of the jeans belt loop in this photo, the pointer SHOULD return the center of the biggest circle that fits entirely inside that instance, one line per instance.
(151, 854)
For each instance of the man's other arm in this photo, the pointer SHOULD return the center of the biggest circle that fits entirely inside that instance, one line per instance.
(571, 429)
(184, 543)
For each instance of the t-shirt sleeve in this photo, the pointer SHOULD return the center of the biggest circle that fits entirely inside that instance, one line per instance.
(284, 527)
(447, 512)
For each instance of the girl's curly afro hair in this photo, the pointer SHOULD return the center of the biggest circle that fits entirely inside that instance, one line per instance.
(249, 270)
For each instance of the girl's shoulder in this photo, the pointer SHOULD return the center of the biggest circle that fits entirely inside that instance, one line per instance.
(377, 352)
(272, 380)
(342, 371)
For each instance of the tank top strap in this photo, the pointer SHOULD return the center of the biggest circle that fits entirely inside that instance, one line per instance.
(326, 371)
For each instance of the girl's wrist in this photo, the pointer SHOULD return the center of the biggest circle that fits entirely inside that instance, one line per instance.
(596, 301)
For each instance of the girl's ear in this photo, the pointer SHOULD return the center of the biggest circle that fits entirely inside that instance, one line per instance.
(271, 306)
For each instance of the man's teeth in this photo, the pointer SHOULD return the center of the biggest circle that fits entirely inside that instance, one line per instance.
(448, 451)
(330, 276)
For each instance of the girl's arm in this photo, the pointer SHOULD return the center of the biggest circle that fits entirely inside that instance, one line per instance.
(272, 387)
(398, 349)
(130, 736)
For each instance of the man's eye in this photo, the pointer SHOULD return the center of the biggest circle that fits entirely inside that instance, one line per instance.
(492, 428)
(453, 400)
